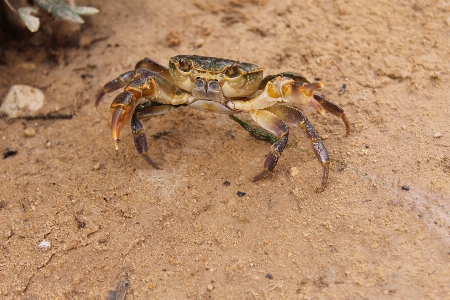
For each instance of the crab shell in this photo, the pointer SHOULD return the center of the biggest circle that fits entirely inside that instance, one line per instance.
(238, 79)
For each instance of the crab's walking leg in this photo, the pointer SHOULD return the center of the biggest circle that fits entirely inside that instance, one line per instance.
(334, 109)
(143, 111)
(114, 84)
(139, 72)
(152, 65)
(153, 87)
(256, 132)
(275, 125)
(294, 117)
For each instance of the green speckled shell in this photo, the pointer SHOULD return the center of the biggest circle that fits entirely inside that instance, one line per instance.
(214, 64)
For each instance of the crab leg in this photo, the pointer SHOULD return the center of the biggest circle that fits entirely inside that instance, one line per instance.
(114, 84)
(300, 92)
(153, 87)
(294, 117)
(139, 71)
(143, 111)
(151, 65)
(275, 125)
(334, 109)
(257, 132)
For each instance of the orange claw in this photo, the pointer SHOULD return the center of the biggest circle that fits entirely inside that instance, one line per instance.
(121, 110)
(309, 88)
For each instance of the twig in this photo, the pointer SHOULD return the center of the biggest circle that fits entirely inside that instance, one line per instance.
(10, 6)
(49, 117)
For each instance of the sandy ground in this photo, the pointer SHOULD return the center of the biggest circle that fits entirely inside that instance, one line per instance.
(181, 233)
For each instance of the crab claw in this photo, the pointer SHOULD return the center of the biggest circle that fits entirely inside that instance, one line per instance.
(313, 103)
(121, 110)
(307, 89)
(302, 93)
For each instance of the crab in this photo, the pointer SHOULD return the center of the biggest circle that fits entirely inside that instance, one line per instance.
(221, 86)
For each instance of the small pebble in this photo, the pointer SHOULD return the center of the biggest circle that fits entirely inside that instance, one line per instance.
(8, 234)
(241, 194)
(269, 276)
(363, 152)
(226, 183)
(435, 75)
(294, 171)
(29, 132)
(210, 287)
(44, 244)
(96, 167)
(199, 42)
(437, 135)
(405, 187)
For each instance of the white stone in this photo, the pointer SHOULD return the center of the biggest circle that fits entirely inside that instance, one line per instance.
(44, 244)
(22, 101)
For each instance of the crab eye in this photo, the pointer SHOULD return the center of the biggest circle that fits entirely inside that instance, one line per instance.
(233, 71)
(184, 65)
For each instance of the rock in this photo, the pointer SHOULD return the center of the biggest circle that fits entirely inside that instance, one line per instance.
(363, 152)
(199, 42)
(29, 132)
(44, 244)
(22, 101)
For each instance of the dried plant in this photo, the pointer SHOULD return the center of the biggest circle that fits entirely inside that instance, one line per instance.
(56, 7)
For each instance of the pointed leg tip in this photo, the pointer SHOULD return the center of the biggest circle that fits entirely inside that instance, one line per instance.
(100, 95)
(116, 144)
(320, 189)
(346, 123)
(151, 162)
(260, 175)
